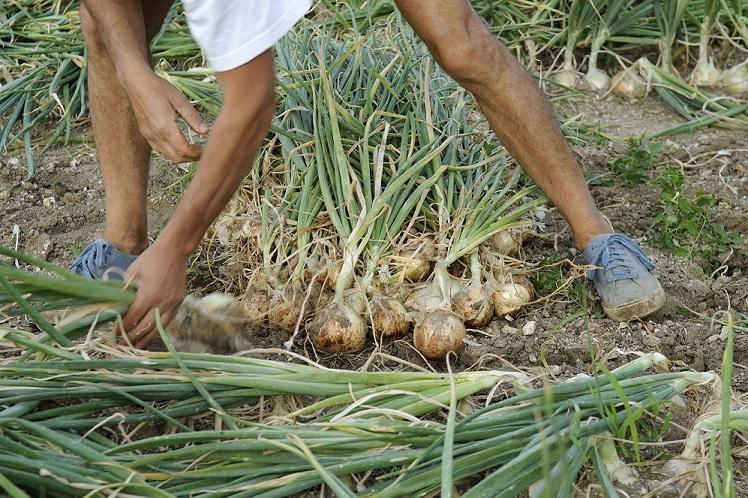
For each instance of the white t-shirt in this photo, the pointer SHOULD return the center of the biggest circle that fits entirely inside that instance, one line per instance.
(233, 32)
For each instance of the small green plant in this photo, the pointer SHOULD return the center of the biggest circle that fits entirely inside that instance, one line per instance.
(552, 276)
(633, 168)
(687, 225)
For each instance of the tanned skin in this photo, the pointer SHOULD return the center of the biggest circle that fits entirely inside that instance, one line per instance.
(134, 111)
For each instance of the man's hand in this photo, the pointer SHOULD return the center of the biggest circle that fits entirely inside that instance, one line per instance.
(160, 276)
(157, 104)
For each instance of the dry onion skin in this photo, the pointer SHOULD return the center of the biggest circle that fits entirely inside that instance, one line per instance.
(566, 77)
(286, 307)
(597, 80)
(438, 334)
(735, 80)
(389, 317)
(416, 261)
(338, 329)
(256, 305)
(628, 84)
(505, 242)
(510, 298)
(474, 305)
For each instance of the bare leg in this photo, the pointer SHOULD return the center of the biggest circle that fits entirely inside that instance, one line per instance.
(124, 154)
(514, 105)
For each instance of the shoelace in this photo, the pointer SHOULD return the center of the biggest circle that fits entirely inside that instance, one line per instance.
(94, 256)
(617, 255)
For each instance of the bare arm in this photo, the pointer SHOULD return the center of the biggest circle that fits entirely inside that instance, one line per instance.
(155, 102)
(237, 133)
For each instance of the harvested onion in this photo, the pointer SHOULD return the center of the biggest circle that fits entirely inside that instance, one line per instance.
(212, 324)
(509, 298)
(628, 84)
(388, 317)
(438, 334)
(566, 77)
(706, 74)
(474, 305)
(735, 80)
(596, 79)
(339, 329)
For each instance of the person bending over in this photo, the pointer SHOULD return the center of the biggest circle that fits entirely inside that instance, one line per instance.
(133, 111)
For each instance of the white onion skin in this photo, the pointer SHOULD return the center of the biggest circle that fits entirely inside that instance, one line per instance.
(626, 83)
(566, 77)
(417, 266)
(505, 242)
(425, 299)
(438, 334)
(389, 317)
(735, 80)
(706, 74)
(509, 299)
(597, 80)
(338, 329)
(474, 305)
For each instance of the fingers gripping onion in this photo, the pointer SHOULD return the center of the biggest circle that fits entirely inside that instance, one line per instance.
(209, 324)
(438, 334)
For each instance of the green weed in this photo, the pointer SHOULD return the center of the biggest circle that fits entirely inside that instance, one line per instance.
(687, 225)
(633, 168)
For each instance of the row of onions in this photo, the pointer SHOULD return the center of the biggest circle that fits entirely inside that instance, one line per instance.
(376, 202)
(43, 72)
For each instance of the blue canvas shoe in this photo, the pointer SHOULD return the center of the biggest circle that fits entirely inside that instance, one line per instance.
(624, 279)
(101, 258)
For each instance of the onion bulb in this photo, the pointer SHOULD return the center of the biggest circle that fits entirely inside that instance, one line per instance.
(474, 305)
(566, 77)
(256, 305)
(509, 298)
(425, 299)
(626, 83)
(338, 329)
(416, 261)
(286, 306)
(210, 324)
(506, 242)
(596, 79)
(735, 80)
(438, 334)
(706, 74)
(388, 317)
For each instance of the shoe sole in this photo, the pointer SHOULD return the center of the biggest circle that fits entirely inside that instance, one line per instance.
(637, 309)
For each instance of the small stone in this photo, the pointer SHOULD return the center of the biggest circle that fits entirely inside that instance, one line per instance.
(712, 338)
(533, 358)
(14, 162)
(555, 370)
(723, 334)
(4, 195)
(623, 325)
(48, 201)
(507, 330)
(701, 306)
(529, 328)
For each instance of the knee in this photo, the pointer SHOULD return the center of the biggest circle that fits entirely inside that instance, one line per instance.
(468, 53)
(94, 43)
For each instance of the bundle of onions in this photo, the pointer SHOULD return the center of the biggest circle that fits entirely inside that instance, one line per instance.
(340, 327)
(447, 304)
(705, 73)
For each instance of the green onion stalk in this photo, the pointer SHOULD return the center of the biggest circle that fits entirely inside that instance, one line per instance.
(536, 439)
(581, 15)
(699, 107)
